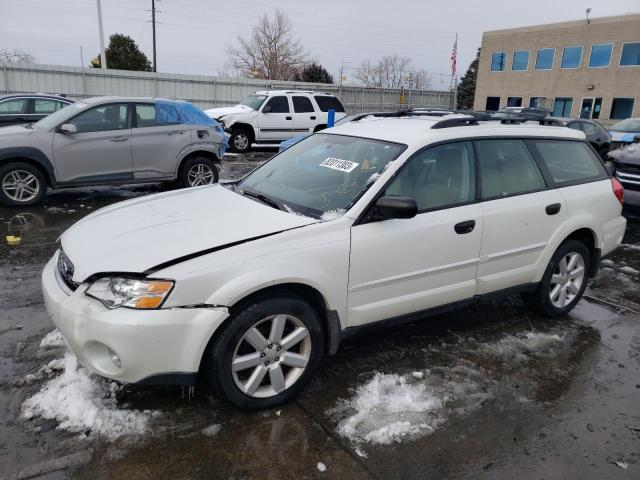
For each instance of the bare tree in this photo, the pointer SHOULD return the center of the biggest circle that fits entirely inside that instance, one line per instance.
(15, 56)
(392, 71)
(271, 52)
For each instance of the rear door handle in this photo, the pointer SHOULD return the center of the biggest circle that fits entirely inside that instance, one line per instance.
(465, 227)
(313, 117)
(289, 118)
(553, 209)
(180, 132)
(119, 139)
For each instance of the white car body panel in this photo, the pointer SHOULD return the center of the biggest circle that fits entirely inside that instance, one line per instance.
(219, 112)
(219, 247)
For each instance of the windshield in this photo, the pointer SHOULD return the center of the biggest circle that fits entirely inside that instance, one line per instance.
(59, 117)
(627, 125)
(322, 175)
(254, 101)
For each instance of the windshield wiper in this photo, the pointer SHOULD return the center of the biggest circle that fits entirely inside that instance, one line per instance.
(262, 197)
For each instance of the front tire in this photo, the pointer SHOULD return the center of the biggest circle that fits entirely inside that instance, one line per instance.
(241, 140)
(21, 184)
(198, 171)
(564, 281)
(266, 353)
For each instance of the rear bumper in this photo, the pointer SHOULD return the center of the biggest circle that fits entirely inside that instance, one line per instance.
(154, 346)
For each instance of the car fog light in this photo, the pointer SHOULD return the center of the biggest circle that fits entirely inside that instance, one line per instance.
(115, 358)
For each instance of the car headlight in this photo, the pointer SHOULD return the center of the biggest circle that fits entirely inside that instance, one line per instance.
(116, 292)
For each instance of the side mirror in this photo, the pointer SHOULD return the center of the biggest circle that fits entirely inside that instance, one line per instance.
(68, 129)
(396, 207)
(266, 109)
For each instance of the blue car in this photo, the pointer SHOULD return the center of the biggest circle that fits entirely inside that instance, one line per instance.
(624, 132)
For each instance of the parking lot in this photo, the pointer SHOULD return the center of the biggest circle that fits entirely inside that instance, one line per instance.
(484, 392)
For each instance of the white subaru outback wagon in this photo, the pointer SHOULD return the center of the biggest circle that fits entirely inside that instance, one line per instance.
(251, 283)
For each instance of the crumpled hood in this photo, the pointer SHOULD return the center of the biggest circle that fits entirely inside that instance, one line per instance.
(623, 136)
(219, 112)
(629, 154)
(136, 235)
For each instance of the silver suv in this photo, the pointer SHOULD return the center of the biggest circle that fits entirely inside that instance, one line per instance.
(110, 140)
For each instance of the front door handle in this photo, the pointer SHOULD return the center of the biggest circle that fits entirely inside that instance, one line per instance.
(553, 209)
(119, 139)
(465, 227)
(289, 118)
(179, 132)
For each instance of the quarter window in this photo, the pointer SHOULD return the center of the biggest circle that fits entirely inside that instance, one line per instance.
(278, 104)
(498, 61)
(326, 103)
(621, 108)
(439, 177)
(544, 58)
(507, 168)
(302, 105)
(101, 119)
(630, 54)
(148, 115)
(600, 55)
(571, 57)
(588, 128)
(520, 60)
(13, 107)
(569, 161)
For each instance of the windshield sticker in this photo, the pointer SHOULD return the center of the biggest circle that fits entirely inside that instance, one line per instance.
(337, 164)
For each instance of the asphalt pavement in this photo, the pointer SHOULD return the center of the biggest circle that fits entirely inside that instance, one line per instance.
(493, 391)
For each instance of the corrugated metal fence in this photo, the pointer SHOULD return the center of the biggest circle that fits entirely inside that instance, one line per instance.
(204, 91)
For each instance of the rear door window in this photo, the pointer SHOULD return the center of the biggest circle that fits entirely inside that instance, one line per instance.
(150, 115)
(46, 106)
(327, 103)
(302, 104)
(569, 161)
(507, 168)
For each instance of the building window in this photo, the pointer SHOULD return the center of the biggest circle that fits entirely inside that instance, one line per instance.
(538, 102)
(621, 108)
(571, 57)
(600, 55)
(497, 61)
(544, 58)
(597, 108)
(562, 107)
(630, 55)
(514, 101)
(520, 60)
(493, 104)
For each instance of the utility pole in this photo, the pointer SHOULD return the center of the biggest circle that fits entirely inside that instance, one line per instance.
(103, 57)
(153, 26)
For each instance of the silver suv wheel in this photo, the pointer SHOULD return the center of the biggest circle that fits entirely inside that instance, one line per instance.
(200, 174)
(271, 356)
(567, 279)
(20, 185)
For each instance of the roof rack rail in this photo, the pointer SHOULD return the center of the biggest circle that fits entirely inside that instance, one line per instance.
(473, 118)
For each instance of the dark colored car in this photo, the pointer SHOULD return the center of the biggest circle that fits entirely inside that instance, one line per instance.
(626, 161)
(597, 135)
(29, 107)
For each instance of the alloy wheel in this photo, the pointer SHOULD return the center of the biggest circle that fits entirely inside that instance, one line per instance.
(200, 174)
(567, 279)
(241, 141)
(271, 356)
(20, 185)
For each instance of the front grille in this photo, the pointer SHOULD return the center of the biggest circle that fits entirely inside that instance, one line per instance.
(66, 269)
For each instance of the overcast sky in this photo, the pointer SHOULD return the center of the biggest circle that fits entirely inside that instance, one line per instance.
(192, 34)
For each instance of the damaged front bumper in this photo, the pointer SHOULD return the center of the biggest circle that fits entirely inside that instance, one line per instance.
(135, 346)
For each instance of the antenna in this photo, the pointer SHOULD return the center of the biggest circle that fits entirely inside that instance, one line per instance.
(588, 11)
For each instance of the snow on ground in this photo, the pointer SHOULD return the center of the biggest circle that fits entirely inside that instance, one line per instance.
(82, 402)
(392, 408)
(212, 430)
(53, 339)
(629, 246)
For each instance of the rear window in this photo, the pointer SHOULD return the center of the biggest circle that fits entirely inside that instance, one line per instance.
(327, 103)
(569, 162)
(302, 105)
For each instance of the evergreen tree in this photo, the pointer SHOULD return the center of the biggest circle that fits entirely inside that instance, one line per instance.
(467, 86)
(314, 73)
(123, 54)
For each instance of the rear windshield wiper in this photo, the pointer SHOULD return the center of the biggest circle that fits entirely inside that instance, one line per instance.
(262, 197)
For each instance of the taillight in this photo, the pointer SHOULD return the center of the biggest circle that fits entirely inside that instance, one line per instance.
(618, 189)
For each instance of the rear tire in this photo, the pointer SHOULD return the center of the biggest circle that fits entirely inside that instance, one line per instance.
(563, 282)
(254, 363)
(21, 184)
(197, 171)
(241, 140)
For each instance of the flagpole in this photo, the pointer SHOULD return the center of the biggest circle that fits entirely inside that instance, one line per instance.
(454, 75)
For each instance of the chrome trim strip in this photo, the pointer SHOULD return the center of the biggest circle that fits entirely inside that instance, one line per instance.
(515, 251)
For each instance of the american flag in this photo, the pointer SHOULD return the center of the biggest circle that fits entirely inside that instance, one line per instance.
(454, 57)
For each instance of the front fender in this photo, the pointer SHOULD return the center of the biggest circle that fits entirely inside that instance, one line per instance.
(31, 153)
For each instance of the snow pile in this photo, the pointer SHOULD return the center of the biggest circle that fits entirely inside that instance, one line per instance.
(82, 403)
(390, 408)
(333, 214)
(46, 371)
(212, 430)
(524, 346)
(629, 246)
(53, 339)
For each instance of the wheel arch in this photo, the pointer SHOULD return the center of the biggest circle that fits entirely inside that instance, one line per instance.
(589, 238)
(31, 156)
